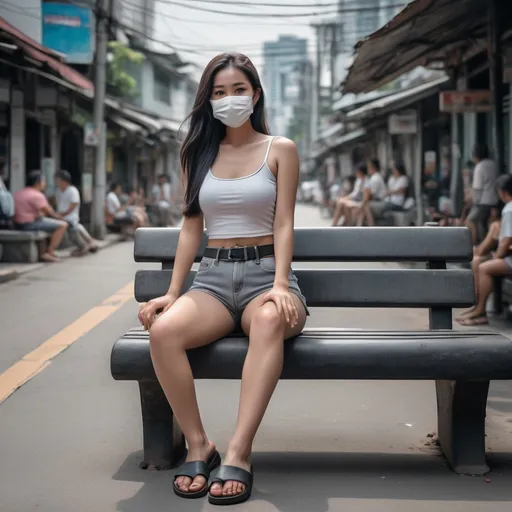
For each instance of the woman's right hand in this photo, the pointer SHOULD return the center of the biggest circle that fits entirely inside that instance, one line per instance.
(147, 311)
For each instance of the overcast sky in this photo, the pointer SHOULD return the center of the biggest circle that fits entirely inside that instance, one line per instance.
(209, 33)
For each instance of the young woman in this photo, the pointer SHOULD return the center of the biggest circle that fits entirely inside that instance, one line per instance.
(242, 183)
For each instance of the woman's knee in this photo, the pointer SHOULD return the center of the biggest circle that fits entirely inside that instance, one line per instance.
(167, 332)
(267, 319)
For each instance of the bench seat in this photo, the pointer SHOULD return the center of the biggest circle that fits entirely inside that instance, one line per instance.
(21, 246)
(332, 354)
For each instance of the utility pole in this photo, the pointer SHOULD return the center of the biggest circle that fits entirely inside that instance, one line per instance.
(333, 27)
(99, 193)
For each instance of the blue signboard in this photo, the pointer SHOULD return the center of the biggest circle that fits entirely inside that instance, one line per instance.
(68, 29)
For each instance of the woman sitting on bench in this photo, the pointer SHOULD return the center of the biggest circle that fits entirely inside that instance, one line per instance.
(243, 184)
(487, 266)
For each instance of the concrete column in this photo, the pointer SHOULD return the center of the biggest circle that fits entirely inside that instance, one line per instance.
(17, 154)
(55, 138)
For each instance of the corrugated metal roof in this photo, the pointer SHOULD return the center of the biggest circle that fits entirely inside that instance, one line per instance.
(44, 55)
(425, 31)
(404, 97)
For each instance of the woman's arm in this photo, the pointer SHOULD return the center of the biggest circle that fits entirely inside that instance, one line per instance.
(287, 182)
(188, 244)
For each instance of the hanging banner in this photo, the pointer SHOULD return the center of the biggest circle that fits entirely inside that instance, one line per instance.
(69, 29)
(457, 102)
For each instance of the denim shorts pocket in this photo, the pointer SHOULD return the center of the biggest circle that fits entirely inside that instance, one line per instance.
(268, 265)
(205, 265)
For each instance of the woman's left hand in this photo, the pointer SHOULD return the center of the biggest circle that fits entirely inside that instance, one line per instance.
(283, 299)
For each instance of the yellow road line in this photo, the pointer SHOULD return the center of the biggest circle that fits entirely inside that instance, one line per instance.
(36, 361)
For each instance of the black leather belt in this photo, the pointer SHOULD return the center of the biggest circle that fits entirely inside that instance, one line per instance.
(240, 253)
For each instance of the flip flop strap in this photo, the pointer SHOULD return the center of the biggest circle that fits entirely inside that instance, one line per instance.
(234, 474)
(193, 469)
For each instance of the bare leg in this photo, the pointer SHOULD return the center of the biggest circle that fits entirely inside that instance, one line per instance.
(195, 319)
(262, 369)
(474, 231)
(475, 264)
(338, 212)
(486, 272)
(56, 238)
(369, 215)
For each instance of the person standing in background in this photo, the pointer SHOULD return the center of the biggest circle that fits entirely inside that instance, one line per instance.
(485, 196)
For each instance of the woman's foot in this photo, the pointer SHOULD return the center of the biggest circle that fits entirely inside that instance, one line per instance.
(200, 452)
(465, 314)
(49, 258)
(474, 320)
(230, 487)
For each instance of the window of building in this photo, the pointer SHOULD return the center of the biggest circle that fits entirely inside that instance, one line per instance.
(162, 87)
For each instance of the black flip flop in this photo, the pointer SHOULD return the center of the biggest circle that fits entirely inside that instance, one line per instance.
(234, 474)
(193, 469)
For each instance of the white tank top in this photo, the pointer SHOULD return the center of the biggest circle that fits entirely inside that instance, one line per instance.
(240, 207)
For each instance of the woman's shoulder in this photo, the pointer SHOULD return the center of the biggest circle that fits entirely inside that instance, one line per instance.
(283, 146)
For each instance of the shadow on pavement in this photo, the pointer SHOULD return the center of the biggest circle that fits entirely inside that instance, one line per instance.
(305, 482)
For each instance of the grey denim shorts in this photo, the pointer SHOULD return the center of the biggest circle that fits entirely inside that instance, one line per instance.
(236, 283)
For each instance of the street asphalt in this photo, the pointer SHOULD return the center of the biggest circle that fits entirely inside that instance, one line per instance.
(70, 438)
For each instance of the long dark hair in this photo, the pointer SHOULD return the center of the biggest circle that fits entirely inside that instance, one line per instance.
(205, 133)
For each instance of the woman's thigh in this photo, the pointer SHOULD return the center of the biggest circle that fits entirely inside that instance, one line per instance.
(290, 332)
(196, 318)
(496, 267)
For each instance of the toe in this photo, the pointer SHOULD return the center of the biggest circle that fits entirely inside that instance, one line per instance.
(185, 484)
(198, 483)
(228, 489)
(216, 489)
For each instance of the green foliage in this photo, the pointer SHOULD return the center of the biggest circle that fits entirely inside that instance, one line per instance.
(120, 82)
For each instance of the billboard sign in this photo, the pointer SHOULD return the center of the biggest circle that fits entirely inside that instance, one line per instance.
(465, 101)
(69, 29)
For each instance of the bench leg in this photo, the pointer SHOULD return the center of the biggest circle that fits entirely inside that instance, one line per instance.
(164, 443)
(461, 424)
(498, 296)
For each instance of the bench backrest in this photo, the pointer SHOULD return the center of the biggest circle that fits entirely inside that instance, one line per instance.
(434, 287)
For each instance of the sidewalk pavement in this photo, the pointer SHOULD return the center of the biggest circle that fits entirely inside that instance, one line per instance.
(10, 271)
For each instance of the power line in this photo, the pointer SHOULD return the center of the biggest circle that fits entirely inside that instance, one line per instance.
(277, 15)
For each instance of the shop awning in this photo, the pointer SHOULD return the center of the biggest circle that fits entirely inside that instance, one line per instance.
(351, 101)
(341, 141)
(43, 55)
(330, 131)
(126, 124)
(398, 100)
(425, 31)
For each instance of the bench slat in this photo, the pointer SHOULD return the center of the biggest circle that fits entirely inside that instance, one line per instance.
(354, 288)
(337, 244)
(358, 355)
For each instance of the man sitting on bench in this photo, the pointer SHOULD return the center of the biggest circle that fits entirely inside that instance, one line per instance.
(34, 213)
(499, 265)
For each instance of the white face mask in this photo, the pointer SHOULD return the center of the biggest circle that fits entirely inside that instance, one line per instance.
(233, 111)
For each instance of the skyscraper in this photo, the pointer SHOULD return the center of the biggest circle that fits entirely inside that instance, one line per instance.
(283, 61)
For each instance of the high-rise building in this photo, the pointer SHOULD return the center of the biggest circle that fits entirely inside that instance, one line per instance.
(283, 65)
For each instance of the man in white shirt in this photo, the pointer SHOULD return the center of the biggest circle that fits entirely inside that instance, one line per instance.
(485, 196)
(67, 199)
(122, 217)
(374, 193)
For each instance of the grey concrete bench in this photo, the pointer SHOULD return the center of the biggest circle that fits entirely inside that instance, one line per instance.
(460, 362)
(21, 246)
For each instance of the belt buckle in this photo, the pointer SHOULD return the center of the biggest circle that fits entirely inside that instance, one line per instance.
(231, 258)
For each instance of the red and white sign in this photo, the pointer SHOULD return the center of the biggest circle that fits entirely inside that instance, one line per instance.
(465, 101)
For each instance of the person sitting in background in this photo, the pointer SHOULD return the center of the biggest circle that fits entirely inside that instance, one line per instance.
(484, 194)
(118, 215)
(161, 196)
(500, 264)
(374, 192)
(34, 213)
(136, 208)
(67, 199)
(352, 199)
(394, 198)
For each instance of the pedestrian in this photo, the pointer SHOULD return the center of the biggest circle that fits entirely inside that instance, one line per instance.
(34, 213)
(67, 199)
(500, 264)
(485, 197)
(347, 202)
(374, 193)
(243, 183)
